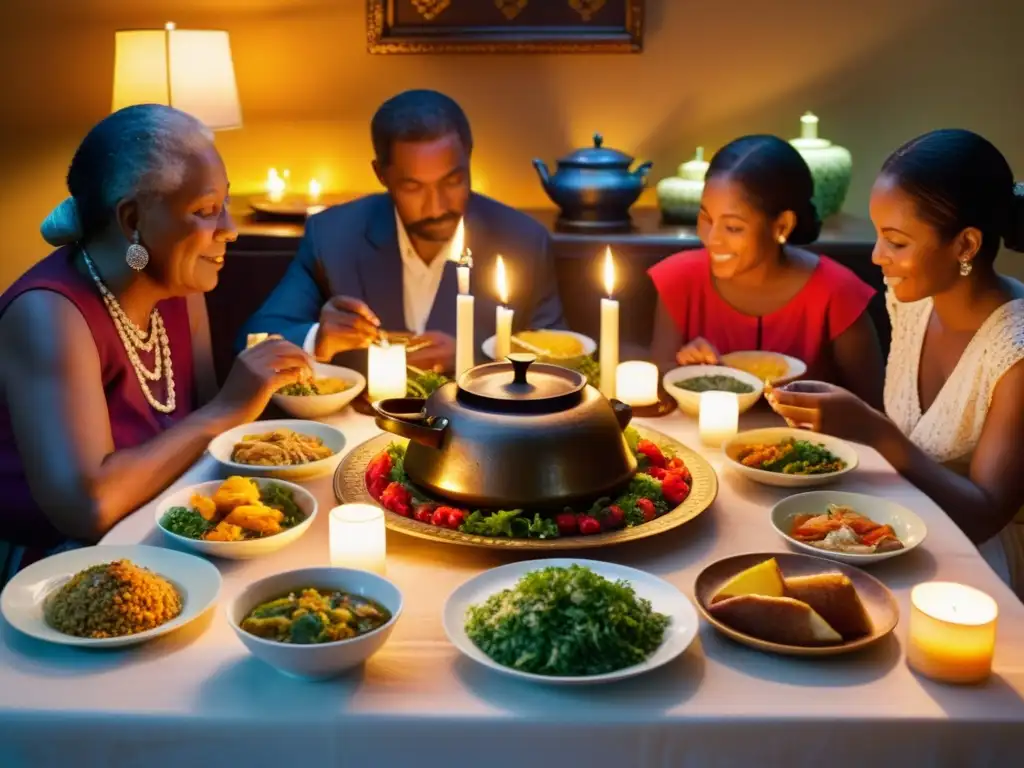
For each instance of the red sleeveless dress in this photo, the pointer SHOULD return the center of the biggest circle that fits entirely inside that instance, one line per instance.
(25, 530)
(828, 304)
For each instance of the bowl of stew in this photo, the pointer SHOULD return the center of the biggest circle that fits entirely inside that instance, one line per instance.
(686, 384)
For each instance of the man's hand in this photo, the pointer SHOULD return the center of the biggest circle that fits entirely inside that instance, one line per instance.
(345, 324)
(439, 356)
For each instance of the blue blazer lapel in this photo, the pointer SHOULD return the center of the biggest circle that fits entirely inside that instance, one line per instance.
(380, 267)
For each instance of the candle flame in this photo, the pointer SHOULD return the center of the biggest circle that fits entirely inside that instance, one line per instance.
(609, 272)
(501, 281)
(458, 247)
(314, 190)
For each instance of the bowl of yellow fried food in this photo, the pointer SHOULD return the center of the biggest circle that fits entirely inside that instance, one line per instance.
(328, 391)
(550, 346)
(316, 623)
(772, 368)
(287, 449)
(238, 518)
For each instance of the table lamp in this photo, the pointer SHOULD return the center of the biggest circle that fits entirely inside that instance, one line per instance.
(188, 69)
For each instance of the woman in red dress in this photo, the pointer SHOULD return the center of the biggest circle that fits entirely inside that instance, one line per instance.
(99, 393)
(750, 287)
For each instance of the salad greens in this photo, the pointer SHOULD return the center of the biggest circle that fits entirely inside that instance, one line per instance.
(510, 523)
(186, 522)
(566, 622)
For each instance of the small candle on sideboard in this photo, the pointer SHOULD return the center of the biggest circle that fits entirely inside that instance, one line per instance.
(386, 371)
(719, 417)
(608, 351)
(952, 635)
(636, 383)
(357, 537)
(314, 192)
(503, 315)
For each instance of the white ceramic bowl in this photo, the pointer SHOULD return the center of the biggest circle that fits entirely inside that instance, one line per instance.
(238, 550)
(797, 368)
(325, 660)
(689, 402)
(321, 406)
(909, 528)
(589, 345)
(839, 448)
(223, 445)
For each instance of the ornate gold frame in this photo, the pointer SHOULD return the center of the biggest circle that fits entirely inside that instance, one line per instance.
(350, 488)
(381, 38)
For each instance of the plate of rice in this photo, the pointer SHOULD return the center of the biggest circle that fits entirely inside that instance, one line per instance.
(109, 596)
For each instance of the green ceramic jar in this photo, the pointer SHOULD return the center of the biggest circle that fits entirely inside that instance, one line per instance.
(831, 166)
(679, 196)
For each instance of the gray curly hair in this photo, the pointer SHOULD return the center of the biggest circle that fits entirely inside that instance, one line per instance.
(135, 152)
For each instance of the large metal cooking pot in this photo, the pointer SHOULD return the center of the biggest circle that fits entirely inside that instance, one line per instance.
(514, 434)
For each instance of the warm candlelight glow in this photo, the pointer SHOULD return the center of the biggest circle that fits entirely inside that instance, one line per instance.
(276, 186)
(719, 417)
(386, 371)
(952, 632)
(357, 537)
(314, 191)
(457, 250)
(501, 282)
(609, 272)
(462, 275)
(636, 383)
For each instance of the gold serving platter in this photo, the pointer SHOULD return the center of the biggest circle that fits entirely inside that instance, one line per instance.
(350, 488)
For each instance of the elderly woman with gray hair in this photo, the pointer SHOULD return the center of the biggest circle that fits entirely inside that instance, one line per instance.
(99, 386)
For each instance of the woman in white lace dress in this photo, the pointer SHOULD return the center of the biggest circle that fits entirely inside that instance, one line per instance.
(954, 389)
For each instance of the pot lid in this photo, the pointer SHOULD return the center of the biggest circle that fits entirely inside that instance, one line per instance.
(521, 385)
(597, 156)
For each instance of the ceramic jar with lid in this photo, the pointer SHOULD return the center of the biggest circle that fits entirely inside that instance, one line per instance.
(831, 166)
(679, 196)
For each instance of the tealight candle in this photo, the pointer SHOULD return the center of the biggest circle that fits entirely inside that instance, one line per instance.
(609, 348)
(636, 383)
(503, 315)
(357, 538)
(386, 371)
(952, 633)
(719, 417)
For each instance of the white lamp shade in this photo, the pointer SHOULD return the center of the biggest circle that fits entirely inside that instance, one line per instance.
(188, 69)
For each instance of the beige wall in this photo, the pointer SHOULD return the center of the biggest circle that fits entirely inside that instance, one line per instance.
(876, 71)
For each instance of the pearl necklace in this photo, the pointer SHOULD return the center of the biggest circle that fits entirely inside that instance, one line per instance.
(134, 340)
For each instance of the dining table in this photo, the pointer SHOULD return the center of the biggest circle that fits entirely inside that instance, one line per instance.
(196, 697)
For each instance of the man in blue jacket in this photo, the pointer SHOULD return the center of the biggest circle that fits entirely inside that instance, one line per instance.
(384, 262)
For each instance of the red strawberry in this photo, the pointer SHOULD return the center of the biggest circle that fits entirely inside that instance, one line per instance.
(675, 463)
(397, 499)
(612, 518)
(424, 512)
(652, 452)
(656, 472)
(456, 518)
(377, 485)
(440, 516)
(589, 525)
(567, 525)
(674, 488)
(646, 506)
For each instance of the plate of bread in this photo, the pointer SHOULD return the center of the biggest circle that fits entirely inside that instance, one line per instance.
(795, 605)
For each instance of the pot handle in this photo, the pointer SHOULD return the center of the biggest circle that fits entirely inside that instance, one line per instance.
(403, 416)
(623, 413)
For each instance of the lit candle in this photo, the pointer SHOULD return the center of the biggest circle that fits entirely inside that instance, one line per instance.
(275, 186)
(719, 417)
(503, 316)
(464, 302)
(952, 633)
(386, 371)
(609, 349)
(636, 383)
(357, 538)
(314, 192)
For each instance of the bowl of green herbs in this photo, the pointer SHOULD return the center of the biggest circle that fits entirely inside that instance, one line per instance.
(569, 621)
(686, 384)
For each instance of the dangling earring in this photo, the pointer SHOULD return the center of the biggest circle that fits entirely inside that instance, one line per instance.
(137, 256)
(781, 239)
(965, 267)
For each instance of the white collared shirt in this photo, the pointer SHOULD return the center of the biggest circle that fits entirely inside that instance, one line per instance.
(420, 283)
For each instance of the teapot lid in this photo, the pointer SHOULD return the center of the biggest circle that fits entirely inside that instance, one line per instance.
(597, 156)
(521, 385)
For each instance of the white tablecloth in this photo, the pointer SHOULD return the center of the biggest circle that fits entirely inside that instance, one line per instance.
(197, 698)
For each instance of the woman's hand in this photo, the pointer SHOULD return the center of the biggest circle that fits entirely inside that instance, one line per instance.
(699, 351)
(438, 356)
(256, 375)
(822, 407)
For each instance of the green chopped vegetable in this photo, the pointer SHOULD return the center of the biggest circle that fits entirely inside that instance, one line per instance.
(566, 622)
(717, 383)
(185, 522)
(279, 497)
(397, 454)
(801, 457)
(424, 383)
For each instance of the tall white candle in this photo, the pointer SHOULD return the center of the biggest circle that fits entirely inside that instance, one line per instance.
(719, 417)
(952, 633)
(636, 383)
(464, 304)
(357, 537)
(386, 371)
(503, 315)
(609, 348)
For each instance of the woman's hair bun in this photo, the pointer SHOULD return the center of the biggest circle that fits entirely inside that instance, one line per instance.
(62, 225)
(1014, 236)
(808, 225)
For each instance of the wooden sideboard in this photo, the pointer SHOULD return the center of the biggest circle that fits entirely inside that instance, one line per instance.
(258, 259)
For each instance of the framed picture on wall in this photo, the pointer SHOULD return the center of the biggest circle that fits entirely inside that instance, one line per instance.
(504, 26)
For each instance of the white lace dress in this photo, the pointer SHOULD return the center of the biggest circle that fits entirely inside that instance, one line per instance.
(950, 429)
